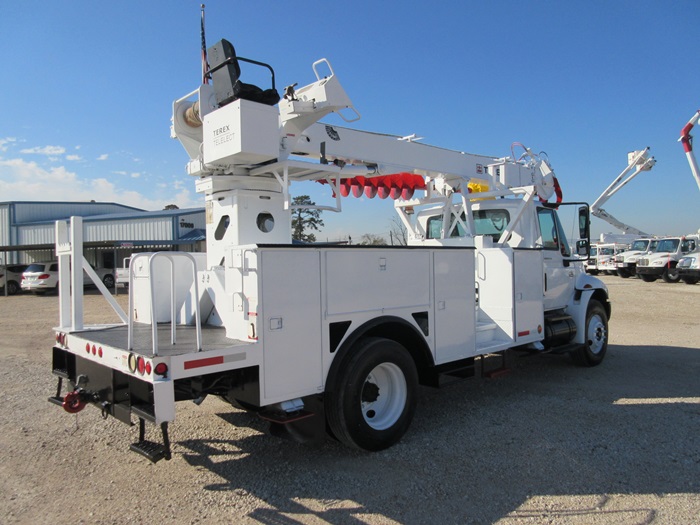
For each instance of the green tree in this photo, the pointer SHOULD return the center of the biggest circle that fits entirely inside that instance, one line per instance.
(305, 218)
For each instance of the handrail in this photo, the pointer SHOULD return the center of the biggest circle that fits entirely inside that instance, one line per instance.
(170, 256)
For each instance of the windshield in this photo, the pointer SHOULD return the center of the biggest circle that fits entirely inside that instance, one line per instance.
(606, 251)
(668, 245)
(35, 268)
(594, 251)
(640, 246)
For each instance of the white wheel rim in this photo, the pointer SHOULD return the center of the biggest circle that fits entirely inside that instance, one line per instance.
(382, 408)
(596, 334)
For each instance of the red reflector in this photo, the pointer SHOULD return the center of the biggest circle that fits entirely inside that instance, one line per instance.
(161, 369)
(204, 362)
(148, 367)
(141, 365)
(87, 347)
(99, 351)
(94, 350)
(522, 334)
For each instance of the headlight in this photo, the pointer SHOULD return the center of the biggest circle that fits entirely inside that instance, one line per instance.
(689, 262)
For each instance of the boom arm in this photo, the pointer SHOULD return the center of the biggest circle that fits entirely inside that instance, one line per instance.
(687, 141)
(637, 160)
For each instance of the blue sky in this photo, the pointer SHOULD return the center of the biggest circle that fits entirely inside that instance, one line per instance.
(88, 86)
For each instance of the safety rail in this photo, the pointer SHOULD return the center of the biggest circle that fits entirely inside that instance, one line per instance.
(170, 256)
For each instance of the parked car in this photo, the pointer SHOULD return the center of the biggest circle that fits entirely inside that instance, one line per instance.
(42, 277)
(11, 276)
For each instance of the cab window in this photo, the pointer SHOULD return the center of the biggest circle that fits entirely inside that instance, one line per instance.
(551, 231)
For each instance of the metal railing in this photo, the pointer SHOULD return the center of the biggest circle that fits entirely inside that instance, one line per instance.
(170, 256)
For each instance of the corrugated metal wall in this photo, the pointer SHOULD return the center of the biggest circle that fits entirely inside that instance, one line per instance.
(4, 224)
(146, 229)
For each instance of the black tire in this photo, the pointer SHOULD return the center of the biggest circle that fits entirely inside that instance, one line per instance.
(648, 278)
(624, 273)
(592, 352)
(12, 287)
(371, 403)
(689, 280)
(108, 281)
(671, 275)
(592, 272)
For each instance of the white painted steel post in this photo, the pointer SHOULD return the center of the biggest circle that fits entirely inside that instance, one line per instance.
(76, 270)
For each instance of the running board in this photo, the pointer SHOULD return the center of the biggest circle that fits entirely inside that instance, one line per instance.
(149, 449)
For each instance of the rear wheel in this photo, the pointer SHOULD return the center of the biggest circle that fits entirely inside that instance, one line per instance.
(592, 352)
(648, 278)
(690, 280)
(371, 403)
(108, 281)
(12, 288)
(624, 273)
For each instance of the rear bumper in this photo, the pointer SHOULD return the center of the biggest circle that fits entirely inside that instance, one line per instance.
(114, 392)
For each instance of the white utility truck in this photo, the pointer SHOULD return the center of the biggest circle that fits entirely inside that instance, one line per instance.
(663, 261)
(626, 261)
(329, 338)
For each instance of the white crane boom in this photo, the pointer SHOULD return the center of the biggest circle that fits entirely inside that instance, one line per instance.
(638, 161)
(687, 141)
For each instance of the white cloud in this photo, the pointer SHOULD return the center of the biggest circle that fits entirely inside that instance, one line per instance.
(73, 157)
(5, 141)
(104, 156)
(135, 175)
(120, 172)
(25, 180)
(46, 150)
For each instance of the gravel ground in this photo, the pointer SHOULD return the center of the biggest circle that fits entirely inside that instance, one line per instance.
(548, 443)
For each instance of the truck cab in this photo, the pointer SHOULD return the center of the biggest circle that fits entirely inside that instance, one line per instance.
(626, 261)
(663, 261)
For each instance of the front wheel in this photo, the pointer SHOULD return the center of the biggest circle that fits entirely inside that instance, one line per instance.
(671, 275)
(592, 352)
(12, 288)
(624, 273)
(371, 402)
(690, 280)
(648, 278)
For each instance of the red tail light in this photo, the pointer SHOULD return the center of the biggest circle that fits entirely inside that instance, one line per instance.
(44, 276)
(141, 365)
(161, 369)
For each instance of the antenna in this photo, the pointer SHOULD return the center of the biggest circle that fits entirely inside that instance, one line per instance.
(205, 62)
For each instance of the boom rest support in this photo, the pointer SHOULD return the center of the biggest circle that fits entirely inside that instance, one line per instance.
(225, 72)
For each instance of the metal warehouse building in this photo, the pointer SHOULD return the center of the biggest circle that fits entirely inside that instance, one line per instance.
(111, 231)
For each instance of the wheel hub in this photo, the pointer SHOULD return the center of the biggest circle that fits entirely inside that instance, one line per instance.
(370, 392)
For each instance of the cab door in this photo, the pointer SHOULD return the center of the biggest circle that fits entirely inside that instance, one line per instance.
(559, 276)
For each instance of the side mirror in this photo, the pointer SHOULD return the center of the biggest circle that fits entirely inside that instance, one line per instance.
(583, 223)
(583, 248)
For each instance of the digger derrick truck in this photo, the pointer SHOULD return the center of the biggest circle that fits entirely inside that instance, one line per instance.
(333, 339)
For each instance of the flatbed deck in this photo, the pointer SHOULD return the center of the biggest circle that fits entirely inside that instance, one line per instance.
(116, 336)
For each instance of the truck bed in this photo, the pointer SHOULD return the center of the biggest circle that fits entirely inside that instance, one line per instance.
(213, 338)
